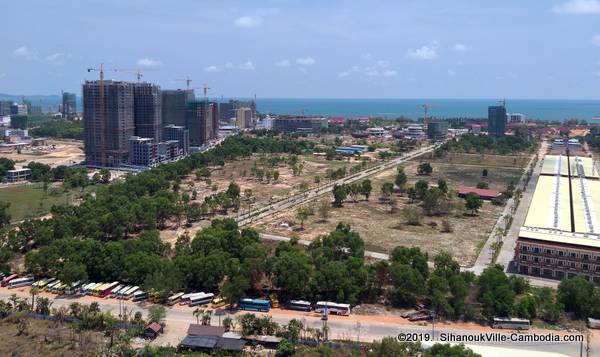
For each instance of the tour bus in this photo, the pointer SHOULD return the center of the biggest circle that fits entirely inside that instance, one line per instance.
(139, 295)
(254, 305)
(201, 299)
(116, 290)
(85, 290)
(43, 285)
(50, 288)
(98, 288)
(127, 294)
(511, 323)
(332, 308)
(299, 305)
(106, 289)
(7, 279)
(217, 302)
(61, 288)
(73, 288)
(16, 283)
(172, 300)
(185, 298)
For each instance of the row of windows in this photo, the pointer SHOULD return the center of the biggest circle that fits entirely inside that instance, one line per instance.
(559, 253)
(560, 263)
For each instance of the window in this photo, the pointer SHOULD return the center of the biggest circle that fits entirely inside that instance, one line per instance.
(586, 257)
(523, 257)
(560, 262)
(572, 265)
(573, 255)
(536, 250)
(548, 261)
(547, 251)
(584, 266)
(536, 259)
(561, 253)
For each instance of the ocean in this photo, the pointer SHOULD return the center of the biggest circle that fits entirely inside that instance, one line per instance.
(441, 108)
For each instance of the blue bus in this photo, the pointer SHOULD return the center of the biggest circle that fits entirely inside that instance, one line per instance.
(254, 305)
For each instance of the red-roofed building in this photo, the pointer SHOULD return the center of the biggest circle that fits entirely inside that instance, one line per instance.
(483, 193)
(337, 120)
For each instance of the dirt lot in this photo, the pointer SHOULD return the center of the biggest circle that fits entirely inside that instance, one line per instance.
(382, 230)
(55, 153)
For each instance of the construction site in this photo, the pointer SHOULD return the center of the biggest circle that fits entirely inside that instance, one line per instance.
(561, 234)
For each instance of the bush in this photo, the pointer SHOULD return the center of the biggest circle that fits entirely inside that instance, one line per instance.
(412, 215)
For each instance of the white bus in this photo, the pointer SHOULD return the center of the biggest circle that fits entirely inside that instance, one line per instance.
(126, 294)
(172, 300)
(51, 287)
(185, 298)
(73, 288)
(16, 283)
(201, 299)
(139, 295)
(116, 290)
(511, 323)
(332, 308)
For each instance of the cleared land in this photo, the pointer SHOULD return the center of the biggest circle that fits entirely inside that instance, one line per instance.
(55, 153)
(383, 230)
(29, 200)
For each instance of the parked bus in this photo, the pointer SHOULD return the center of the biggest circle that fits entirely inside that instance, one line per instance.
(172, 300)
(511, 323)
(51, 287)
(332, 308)
(201, 299)
(61, 288)
(217, 302)
(17, 283)
(254, 305)
(127, 294)
(85, 290)
(106, 289)
(185, 298)
(7, 279)
(139, 296)
(116, 290)
(73, 288)
(299, 305)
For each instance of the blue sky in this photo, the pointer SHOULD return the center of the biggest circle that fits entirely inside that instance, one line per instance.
(295, 48)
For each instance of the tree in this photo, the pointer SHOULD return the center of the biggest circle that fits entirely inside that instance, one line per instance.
(302, 214)
(4, 214)
(285, 348)
(365, 188)
(157, 314)
(443, 186)
(432, 200)
(401, 178)
(105, 176)
(390, 347)
(576, 295)
(421, 188)
(323, 210)
(448, 350)
(424, 169)
(72, 272)
(233, 190)
(472, 202)
(412, 215)
(340, 192)
(235, 288)
(292, 273)
(386, 190)
(483, 185)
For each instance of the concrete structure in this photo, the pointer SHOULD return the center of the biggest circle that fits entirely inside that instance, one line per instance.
(147, 117)
(142, 152)
(17, 175)
(476, 129)
(5, 107)
(437, 130)
(377, 131)
(108, 124)
(175, 106)
(69, 104)
(265, 123)
(243, 118)
(415, 132)
(200, 121)
(290, 124)
(515, 117)
(179, 133)
(18, 121)
(226, 111)
(18, 109)
(496, 120)
(561, 234)
(169, 151)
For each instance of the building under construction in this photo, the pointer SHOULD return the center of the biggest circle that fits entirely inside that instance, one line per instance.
(561, 234)
(202, 122)
(108, 113)
(175, 105)
(147, 111)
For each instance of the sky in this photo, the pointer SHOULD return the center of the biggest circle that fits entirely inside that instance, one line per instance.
(308, 48)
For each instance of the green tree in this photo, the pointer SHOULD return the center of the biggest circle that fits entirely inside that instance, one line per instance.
(390, 347)
(72, 272)
(323, 210)
(401, 179)
(443, 186)
(4, 214)
(235, 288)
(387, 188)
(366, 188)
(105, 176)
(421, 188)
(302, 213)
(292, 273)
(157, 314)
(340, 192)
(483, 185)
(576, 295)
(424, 169)
(472, 202)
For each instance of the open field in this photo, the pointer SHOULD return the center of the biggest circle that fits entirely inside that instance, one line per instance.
(383, 230)
(43, 338)
(55, 153)
(29, 200)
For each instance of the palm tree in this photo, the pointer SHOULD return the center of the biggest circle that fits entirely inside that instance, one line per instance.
(198, 312)
(33, 292)
(13, 301)
(206, 317)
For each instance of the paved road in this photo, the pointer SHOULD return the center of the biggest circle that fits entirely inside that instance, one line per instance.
(301, 198)
(365, 328)
(485, 257)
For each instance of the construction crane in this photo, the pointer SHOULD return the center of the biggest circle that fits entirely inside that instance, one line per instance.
(425, 109)
(187, 81)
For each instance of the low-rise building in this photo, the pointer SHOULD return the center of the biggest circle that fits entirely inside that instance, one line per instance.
(143, 152)
(290, 124)
(18, 175)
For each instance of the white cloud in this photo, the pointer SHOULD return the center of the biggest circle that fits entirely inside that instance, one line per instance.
(57, 58)
(355, 69)
(211, 69)
(596, 40)
(461, 47)
(578, 7)
(248, 66)
(372, 73)
(307, 61)
(367, 56)
(24, 52)
(390, 73)
(302, 69)
(248, 21)
(148, 62)
(343, 74)
(423, 53)
(383, 64)
(283, 63)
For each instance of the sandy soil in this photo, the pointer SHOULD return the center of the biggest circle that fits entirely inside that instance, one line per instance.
(55, 153)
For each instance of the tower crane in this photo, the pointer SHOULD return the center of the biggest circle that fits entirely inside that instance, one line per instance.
(187, 81)
(425, 109)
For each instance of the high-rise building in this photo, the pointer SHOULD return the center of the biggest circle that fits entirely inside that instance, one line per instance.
(108, 122)
(198, 123)
(147, 111)
(5, 107)
(496, 120)
(226, 111)
(179, 133)
(243, 118)
(175, 105)
(18, 109)
(69, 104)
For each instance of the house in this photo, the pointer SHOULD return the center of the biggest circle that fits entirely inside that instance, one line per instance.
(210, 338)
(153, 330)
(483, 193)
